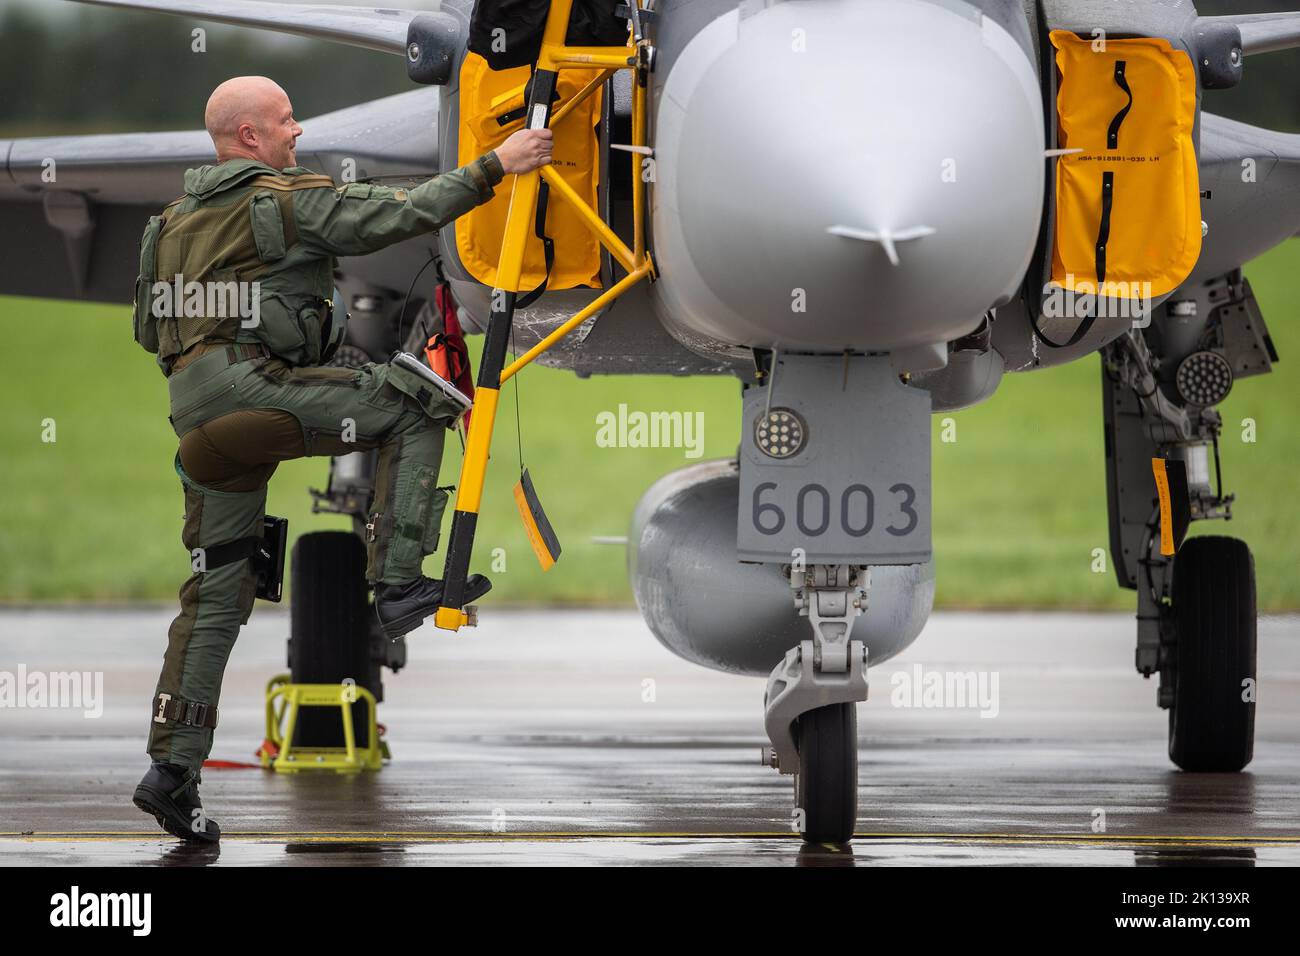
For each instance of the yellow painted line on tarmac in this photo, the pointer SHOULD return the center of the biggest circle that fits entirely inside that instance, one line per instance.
(1094, 837)
(453, 836)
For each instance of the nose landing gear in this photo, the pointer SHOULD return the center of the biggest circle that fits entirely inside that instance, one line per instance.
(811, 703)
(834, 482)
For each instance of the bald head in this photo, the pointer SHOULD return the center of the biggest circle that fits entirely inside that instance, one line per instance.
(251, 116)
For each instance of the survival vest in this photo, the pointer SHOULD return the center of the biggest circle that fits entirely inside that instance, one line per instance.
(219, 244)
(1128, 209)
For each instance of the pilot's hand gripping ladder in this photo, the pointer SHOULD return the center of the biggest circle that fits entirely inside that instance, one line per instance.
(636, 56)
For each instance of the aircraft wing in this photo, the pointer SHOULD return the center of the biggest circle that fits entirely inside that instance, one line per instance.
(1252, 177)
(73, 207)
(1264, 32)
(371, 28)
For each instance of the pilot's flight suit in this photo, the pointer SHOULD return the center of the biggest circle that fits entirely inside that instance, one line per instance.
(247, 395)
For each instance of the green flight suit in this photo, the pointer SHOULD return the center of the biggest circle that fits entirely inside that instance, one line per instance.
(247, 391)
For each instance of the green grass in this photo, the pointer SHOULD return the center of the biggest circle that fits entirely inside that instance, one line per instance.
(1019, 497)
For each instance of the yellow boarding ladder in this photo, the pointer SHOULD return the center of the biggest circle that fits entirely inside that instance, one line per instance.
(636, 57)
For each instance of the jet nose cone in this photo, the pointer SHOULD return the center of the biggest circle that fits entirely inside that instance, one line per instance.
(845, 174)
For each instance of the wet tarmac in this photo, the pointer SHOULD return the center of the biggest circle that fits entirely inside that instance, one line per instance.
(565, 737)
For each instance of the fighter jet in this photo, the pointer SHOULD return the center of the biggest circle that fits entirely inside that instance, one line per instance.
(866, 211)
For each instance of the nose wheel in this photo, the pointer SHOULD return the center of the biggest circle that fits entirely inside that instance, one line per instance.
(826, 786)
(1212, 718)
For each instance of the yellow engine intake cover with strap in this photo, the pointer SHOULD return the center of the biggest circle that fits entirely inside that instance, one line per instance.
(1128, 207)
(485, 96)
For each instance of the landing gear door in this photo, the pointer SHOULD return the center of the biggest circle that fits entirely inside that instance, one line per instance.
(835, 465)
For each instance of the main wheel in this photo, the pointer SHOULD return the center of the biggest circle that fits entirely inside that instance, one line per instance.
(826, 789)
(329, 634)
(1212, 720)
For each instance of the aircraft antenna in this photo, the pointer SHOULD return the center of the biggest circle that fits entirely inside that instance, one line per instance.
(771, 379)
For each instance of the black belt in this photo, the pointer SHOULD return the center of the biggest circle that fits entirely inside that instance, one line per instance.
(234, 352)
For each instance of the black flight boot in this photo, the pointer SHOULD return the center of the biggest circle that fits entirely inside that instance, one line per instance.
(171, 795)
(403, 607)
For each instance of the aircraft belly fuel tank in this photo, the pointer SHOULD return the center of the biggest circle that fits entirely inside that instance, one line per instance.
(833, 174)
(707, 607)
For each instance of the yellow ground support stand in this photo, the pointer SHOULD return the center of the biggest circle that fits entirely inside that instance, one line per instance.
(636, 56)
(283, 699)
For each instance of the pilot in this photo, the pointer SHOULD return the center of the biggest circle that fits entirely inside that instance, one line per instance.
(248, 391)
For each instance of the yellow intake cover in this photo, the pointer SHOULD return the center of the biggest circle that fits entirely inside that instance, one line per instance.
(1128, 207)
(486, 96)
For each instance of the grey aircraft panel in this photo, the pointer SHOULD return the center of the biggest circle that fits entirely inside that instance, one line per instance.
(1006, 14)
(1157, 18)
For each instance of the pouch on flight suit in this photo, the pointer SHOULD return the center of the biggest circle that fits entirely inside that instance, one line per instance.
(419, 534)
(196, 390)
(431, 401)
(1128, 209)
(146, 326)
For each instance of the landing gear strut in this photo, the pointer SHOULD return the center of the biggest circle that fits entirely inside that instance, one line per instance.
(1196, 600)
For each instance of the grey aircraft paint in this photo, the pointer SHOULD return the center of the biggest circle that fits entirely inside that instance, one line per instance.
(120, 179)
(775, 173)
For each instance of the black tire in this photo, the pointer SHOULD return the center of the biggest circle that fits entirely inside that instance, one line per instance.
(329, 635)
(1210, 727)
(826, 789)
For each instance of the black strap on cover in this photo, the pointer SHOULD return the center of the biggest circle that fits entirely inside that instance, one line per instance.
(1121, 80)
(1108, 179)
(505, 119)
(1084, 327)
(548, 246)
(1103, 237)
(1103, 234)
